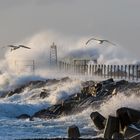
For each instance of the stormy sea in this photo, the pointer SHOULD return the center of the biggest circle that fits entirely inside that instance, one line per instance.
(38, 94)
(40, 102)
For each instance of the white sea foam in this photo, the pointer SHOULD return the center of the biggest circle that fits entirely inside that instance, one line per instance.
(29, 101)
(110, 106)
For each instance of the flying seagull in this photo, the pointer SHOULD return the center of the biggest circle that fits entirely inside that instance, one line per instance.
(101, 41)
(22, 46)
(13, 47)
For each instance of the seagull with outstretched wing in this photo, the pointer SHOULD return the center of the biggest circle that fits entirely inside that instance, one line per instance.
(100, 41)
(22, 46)
(13, 47)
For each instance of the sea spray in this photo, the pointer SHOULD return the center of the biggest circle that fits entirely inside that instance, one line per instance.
(68, 48)
(29, 100)
(110, 106)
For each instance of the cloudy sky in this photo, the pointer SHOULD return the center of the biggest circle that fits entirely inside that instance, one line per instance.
(116, 20)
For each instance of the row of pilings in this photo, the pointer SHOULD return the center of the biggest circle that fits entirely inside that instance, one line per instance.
(128, 72)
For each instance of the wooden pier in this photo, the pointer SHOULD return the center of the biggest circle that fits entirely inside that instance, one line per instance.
(127, 72)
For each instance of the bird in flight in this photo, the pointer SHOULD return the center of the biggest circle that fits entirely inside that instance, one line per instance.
(13, 47)
(100, 41)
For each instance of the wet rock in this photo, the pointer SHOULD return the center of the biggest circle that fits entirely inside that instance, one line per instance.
(73, 132)
(31, 85)
(52, 82)
(98, 120)
(65, 79)
(55, 111)
(88, 83)
(92, 94)
(16, 91)
(128, 116)
(34, 85)
(117, 136)
(23, 116)
(108, 81)
(112, 126)
(121, 82)
(45, 93)
(136, 137)
(131, 131)
(49, 113)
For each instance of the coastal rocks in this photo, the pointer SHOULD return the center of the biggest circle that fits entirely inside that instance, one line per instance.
(47, 113)
(16, 91)
(108, 81)
(127, 118)
(34, 85)
(55, 111)
(44, 93)
(23, 116)
(92, 94)
(98, 119)
(98, 89)
(131, 131)
(31, 85)
(112, 127)
(73, 132)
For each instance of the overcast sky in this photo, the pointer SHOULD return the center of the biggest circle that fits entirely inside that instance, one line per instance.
(117, 20)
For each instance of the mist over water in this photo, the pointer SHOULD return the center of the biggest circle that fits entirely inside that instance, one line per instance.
(67, 48)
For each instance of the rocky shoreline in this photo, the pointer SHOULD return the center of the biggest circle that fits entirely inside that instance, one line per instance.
(92, 94)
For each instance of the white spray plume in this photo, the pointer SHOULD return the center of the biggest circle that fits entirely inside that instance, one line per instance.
(67, 47)
(118, 101)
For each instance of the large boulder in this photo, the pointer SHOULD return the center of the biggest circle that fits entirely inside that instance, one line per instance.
(131, 131)
(112, 126)
(128, 116)
(98, 119)
(108, 81)
(73, 132)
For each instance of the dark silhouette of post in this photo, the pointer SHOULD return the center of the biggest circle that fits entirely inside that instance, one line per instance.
(137, 72)
(111, 71)
(108, 71)
(101, 70)
(125, 71)
(118, 71)
(122, 72)
(129, 67)
(104, 71)
(114, 71)
(95, 69)
(133, 73)
(92, 70)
